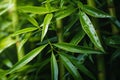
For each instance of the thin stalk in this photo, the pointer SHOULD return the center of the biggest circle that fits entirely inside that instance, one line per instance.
(14, 17)
(100, 58)
(112, 12)
(60, 39)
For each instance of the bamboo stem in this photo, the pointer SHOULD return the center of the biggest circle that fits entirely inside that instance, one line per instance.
(60, 39)
(14, 17)
(100, 58)
(112, 12)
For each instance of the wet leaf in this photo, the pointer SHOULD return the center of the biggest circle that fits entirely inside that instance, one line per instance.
(90, 30)
(95, 12)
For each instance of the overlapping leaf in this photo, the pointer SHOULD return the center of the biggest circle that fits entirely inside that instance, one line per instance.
(36, 10)
(95, 12)
(70, 67)
(76, 49)
(80, 66)
(54, 67)
(6, 42)
(46, 23)
(90, 30)
(64, 13)
(27, 58)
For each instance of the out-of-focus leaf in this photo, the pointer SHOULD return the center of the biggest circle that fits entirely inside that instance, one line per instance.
(6, 42)
(95, 12)
(76, 49)
(20, 45)
(64, 13)
(54, 67)
(46, 23)
(8, 63)
(6, 9)
(90, 30)
(24, 31)
(27, 58)
(78, 37)
(115, 55)
(80, 66)
(32, 20)
(36, 10)
(115, 22)
(70, 67)
(72, 21)
(113, 41)
(2, 74)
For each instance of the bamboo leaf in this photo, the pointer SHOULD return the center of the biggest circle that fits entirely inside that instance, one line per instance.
(36, 10)
(46, 23)
(80, 66)
(32, 20)
(21, 43)
(27, 58)
(95, 12)
(64, 13)
(76, 49)
(6, 42)
(54, 67)
(78, 37)
(70, 67)
(90, 30)
(24, 31)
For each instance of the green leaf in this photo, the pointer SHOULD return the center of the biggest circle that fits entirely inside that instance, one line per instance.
(20, 44)
(36, 10)
(70, 67)
(46, 23)
(95, 12)
(32, 20)
(76, 49)
(78, 37)
(115, 21)
(24, 31)
(54, 67)
(80, 66)
(27, 58)
(90, 30)
(73, 19)
(6, 42)
(64, 13)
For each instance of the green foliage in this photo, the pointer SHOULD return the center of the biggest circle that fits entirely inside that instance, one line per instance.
(37, 37)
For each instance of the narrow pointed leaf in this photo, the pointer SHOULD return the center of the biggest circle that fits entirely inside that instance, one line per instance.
(54, 67)
(64, 13)
(33, 21)
(36, 10)
(46, 23)
(78, 37)
(70, 67)
(27, 58)
(24, 31)
(76, 49)
(80, 66)
(90, 30)
(6, 42)
(95, 12)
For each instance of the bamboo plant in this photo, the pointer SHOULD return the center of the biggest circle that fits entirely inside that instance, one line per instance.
(50, 40)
